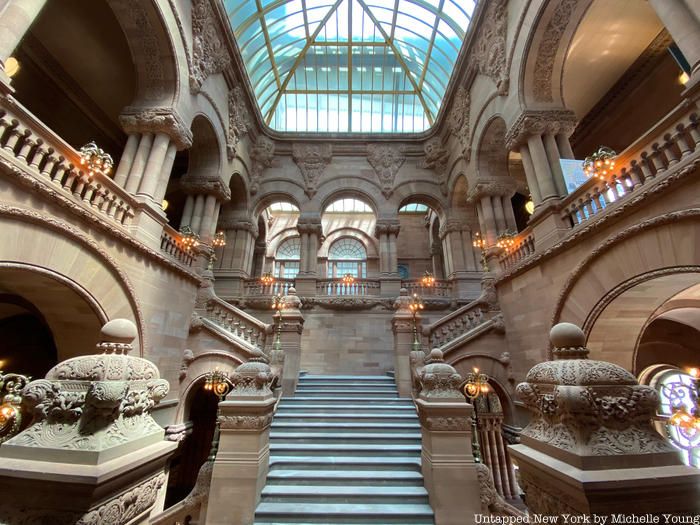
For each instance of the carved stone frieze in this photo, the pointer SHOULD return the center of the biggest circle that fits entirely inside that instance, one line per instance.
(209, 52)
(436, 159)
(248, 422)
(490, 50)
(262, 154)
(239, 120)
(545, 499)
(458, 120)
(237, 224)
(197, 186)
(386, 160)
(497, 187)
(157, 120)
(312, 160)
(529, 123)
(127, 506)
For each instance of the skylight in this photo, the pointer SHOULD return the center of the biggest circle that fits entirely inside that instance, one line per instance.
(414, 207)
(339, 66)
(282, 207)
(348, 206)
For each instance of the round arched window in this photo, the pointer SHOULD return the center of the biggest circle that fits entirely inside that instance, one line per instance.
(347, 256)
(287, 258)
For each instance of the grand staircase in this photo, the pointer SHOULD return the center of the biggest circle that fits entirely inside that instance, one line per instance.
(345, 450)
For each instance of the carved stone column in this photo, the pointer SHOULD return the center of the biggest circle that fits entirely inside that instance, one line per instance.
(386, 231)
(16, 16)
(234, 262)
(207, 197)
(311, 236)
(447, 461)
(291, 330)
(462, 265)
(402, 327)
(492, 197)
(590, 447)
(241, 464)
(93, 453)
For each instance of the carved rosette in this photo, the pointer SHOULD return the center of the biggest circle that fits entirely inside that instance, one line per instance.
(157, 120)
(209, 52)
(197, 186)
(312, 160)
(589, 408)
(490, 49)
(262, 155)
(436, 158)
(530, 123)
(458, 120)
(239, 122)
(97, 401)
(386, 160)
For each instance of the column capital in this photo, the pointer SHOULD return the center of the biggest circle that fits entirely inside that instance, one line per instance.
(387, 226)
(232, 223)
(501, 187)
(453, 225)
(531, 122)
(310, 225)
(197, 186)
(157, 120)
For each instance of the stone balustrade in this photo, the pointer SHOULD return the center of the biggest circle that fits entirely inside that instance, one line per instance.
(670, 142)
(335, 287)
(170, 245)
(440, 288)
(27, 142)
(457, 323)
(253, 287)
(241, 325)
(524, 246)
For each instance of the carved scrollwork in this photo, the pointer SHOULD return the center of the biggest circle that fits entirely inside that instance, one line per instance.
(386, 160)
(262, 154)
(248, 422)
(436, 159)
(490, 51)
(239, 120)
(157, 120)
(209, 52)
(458, 120)
(312, 160)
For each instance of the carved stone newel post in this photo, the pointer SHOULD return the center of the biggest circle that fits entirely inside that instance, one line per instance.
(290, 336)
(93, 451)
(402, 326)
(590, 447)
(241, 464)
(447, 461)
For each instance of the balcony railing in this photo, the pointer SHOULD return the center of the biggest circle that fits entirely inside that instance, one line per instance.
(170, 245)
(524, 246)
(26, 140)
(337, 288)
(253, 287)
(669, 142)
(457, 323)
(439, 288)
(238, 323)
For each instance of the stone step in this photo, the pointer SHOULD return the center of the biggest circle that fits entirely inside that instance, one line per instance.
(366, 463)
(375, 417)
(332, 449)
(345, 477)
(345, 437)
(345, 494)
(341, 378)
(388, 385)
(409, 514)
(312, 427)
(364, 392)
(300, 400)
(325, 408)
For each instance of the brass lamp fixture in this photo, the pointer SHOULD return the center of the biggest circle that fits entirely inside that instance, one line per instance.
(476, 384)
(188, 238)
(416, 305)
(348, 279)
(600, 164)
(267, 279)
(428, 279)
(506, 240)
(218, 382)
(278, 304)
(10, 409)
(480, 242)
(689, 420)
(96, 160)
(219, 240)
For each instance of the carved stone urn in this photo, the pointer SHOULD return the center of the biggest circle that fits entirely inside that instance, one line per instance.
(590, 447)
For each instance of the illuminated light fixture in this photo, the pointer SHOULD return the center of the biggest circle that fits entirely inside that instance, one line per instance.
(506, 241)
(480, 242)
(475, 385)
(188, 239)
(348, 279)
(164, 204)
(683, 78)
(689, 419)
(267, 279)
(278, 304)
(219, 240)
(428, 279)
(10, 409)
(415, 306)
(530, 207)
(12, 67)
(600, 164)
(96, 160)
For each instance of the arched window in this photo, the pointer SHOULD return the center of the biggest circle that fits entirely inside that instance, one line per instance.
(347, 256)
(287, 258)
(675, 389)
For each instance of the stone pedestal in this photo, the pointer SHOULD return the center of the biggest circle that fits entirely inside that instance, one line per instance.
(590, 448)
(148, 224)
(547, 225)
(305, 286)
(291, 329)
(242, 459)
(402, 326)
(389, 286)
(93, 453)
(447, 462)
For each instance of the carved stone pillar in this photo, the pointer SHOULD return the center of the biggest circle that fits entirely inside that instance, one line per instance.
(291, 330)
(590, 447)
(234, 262)
(207, 197)
(437, 259)
(311, 235)
(492, 197)
(402, 327)
(386, 231)
(682, 21)
(447, 462)
(241, 464)
(462, 265)
(93, 453)
(16, 16)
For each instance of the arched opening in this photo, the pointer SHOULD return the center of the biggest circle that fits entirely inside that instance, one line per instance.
(282, 244)
(347, 256)
(418, 246)
(194, 450)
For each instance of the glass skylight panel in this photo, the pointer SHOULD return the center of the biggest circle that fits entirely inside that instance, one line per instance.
(338, 66)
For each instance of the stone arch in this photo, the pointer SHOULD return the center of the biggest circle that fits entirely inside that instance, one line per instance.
(206, 153)
(492, 154)
(280, 191)
(76, 261)
(274, 242)
(353, 191)
(423, 193)
(370, 243)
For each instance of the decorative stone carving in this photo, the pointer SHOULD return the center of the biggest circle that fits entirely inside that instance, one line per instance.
(157, 120)
(490, 49)
(310, 226)
(291, 300)
(438, 379)
(497, 187)
(530, 123)
(209, 52)
(262, 154)
(253, 377)
(312, 160)
(245, 422)
(239, 122)
(491, 501)
(127, 506)
(216, 187)
(178, 433)
(94, 403)
(386, 160)
(489, 294)
(386, 227)
(436, 159)
(458, 120)
(187, 358)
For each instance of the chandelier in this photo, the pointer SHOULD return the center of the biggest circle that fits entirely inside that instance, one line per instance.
(428, 279)
(267, 279)
(218, 381)
(219, 240)
(600, 164)
(348, 279)
(506, 241)
(188, 239)
(95, 160)
(684, 418)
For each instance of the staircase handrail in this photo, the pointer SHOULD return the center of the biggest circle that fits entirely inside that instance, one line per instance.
(242, 325)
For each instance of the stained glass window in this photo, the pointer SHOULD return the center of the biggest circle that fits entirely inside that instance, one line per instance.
(675, 391)
(370, 66)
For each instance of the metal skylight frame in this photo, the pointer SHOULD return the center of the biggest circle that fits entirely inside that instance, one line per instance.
(284, 41)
